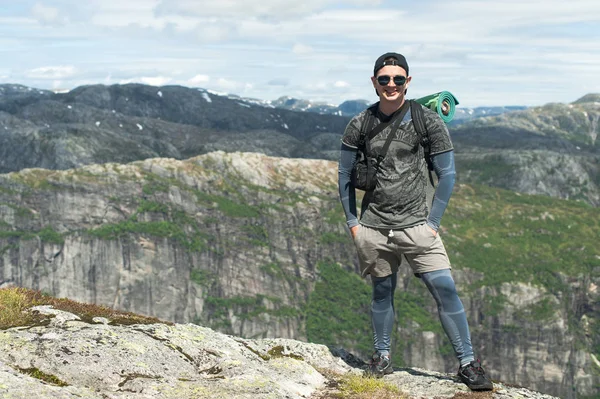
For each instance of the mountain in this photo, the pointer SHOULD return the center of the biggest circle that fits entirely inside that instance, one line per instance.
(89, 351)
(124, 123)
(256, 246)
(354, 107)
(347, 108)
(463, 114)
(551, 150)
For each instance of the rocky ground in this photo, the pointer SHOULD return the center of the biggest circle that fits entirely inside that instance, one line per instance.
(66, 357)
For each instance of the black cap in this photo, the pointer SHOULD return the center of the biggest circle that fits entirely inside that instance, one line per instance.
(399, 60)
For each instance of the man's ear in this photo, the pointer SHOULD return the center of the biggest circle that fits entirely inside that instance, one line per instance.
(374, 82)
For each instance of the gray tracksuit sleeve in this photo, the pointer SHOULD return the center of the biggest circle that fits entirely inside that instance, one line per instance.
(443, 165)
(348, 157)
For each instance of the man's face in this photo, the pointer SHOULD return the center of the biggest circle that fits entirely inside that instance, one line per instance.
(390, 91)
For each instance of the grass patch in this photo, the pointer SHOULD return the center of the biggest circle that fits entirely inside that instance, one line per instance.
(353, 386)
(194, 242)
(15, 301)
(231, 208)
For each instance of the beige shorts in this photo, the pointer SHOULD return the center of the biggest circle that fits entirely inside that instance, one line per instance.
(380, 255)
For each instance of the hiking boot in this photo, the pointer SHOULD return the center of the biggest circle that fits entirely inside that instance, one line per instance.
(379, 366)
(474, 377)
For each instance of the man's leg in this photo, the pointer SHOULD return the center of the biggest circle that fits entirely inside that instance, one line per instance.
(429, 260)
(451, 312)
(382, 312)
(377, 258)
(382, 318)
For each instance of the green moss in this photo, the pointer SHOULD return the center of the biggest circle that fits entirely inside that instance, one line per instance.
(40, 375)
(280, 351)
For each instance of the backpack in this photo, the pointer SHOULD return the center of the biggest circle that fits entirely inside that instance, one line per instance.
(364, 172)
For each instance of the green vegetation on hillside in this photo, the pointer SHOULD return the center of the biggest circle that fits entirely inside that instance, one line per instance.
(337, 312)
(511, 237)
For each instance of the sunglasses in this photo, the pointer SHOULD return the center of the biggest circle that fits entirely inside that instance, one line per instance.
(384, 80)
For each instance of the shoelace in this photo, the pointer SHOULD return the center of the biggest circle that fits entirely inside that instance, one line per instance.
(476, 367)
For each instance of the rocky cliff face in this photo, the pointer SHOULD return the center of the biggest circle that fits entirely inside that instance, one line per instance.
(256, 246)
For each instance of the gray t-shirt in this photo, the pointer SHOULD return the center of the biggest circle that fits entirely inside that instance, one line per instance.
(400, 197)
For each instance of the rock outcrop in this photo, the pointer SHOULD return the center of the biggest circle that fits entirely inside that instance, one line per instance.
(69, 358)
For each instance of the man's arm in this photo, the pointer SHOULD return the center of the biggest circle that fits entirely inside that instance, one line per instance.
(348, 157)
(443, 164)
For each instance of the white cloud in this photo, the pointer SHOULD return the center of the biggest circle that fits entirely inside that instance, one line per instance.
(47, 15)
(235, 9)
(155, 80)
(148, 80)
(198, 80)
(317, 49)
(228, 85)
(51, 72)
(302, 49)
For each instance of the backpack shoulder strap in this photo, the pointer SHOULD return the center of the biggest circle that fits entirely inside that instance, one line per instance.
(418, 117)
(367, 126)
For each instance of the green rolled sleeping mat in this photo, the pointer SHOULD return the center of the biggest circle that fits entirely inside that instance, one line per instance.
(444, 103)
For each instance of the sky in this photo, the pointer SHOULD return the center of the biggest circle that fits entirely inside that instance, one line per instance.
(486, 53)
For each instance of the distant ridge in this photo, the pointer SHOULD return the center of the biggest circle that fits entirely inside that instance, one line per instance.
(588, 98)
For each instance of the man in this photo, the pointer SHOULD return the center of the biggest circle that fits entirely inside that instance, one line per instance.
(396, 221)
